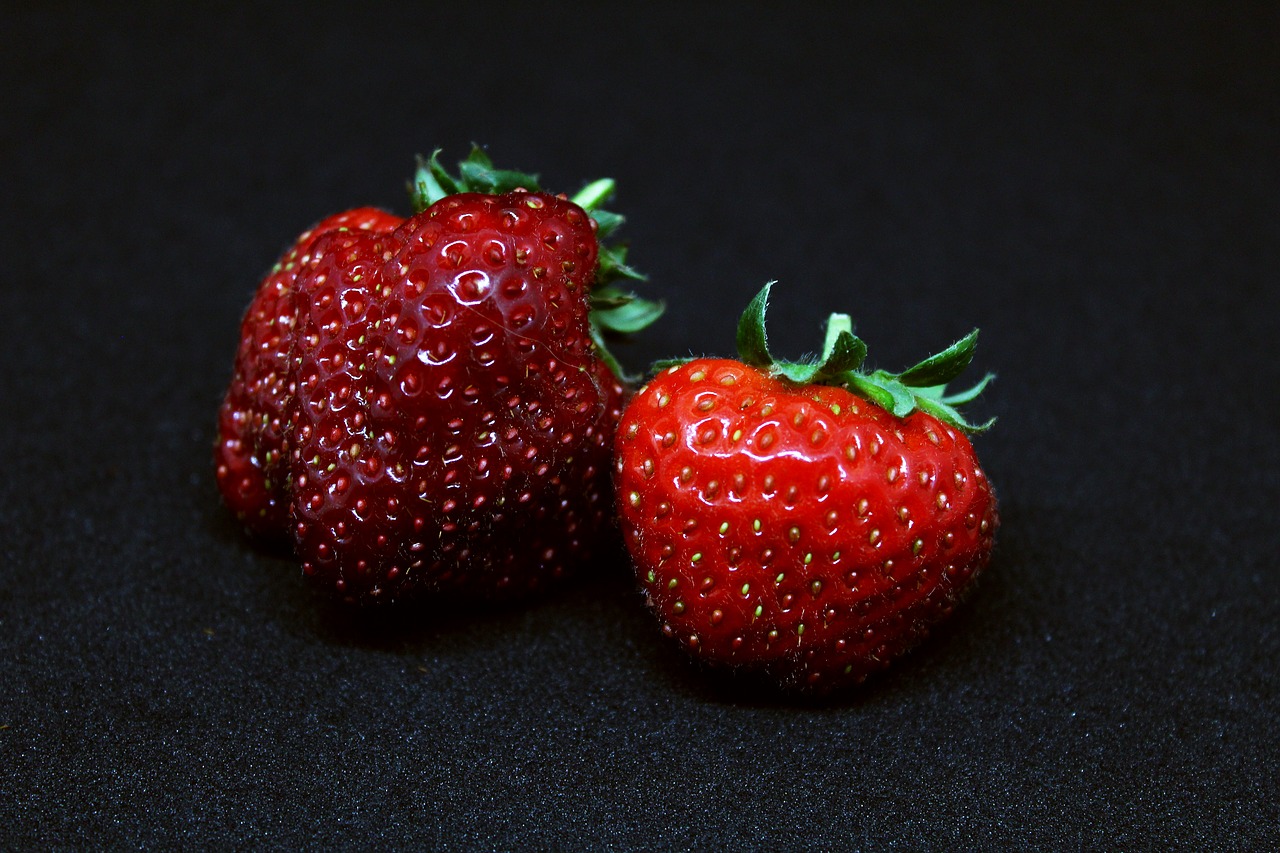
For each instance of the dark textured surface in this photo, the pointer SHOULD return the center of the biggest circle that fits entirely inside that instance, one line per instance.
(1099, 192)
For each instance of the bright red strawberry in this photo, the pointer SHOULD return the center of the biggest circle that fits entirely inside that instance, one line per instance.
(807, 522)
(449, 406)
(249, 458)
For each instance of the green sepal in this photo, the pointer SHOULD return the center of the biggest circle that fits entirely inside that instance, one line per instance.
(613, 311)
(961, 397)
(611, 265)
(920, 387)
(753, 343)
(594, 194)
(625, 313)
(607, 222)
(476, 174)
(941, 368)
(842, 351)
(617, 312)
(949, 414)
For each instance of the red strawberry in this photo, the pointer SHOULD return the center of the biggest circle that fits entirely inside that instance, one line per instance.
(807, 522)
(449, 409)
(249, 457)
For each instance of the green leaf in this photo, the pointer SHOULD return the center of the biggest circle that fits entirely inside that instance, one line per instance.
(922, 387)
(479, 175)
(933, 392)
(442, 176)
(950, 415)
(961, 397)
(904, 402)
(799, 372)
(941, 368)
(753, 344)
(611, 265)
(842, 351)
(478, 157)
(873, 391)
(627, 316)
(606, 223)
(609, 296)
(594, 194)
(597, 337)
(427, 188)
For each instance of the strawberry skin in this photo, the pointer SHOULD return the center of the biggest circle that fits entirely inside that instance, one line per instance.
(426, 404)
(796, 531)
(249, 458)
(452, 423)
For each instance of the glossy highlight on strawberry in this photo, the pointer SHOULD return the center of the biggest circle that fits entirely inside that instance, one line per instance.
(442, 415)
(791, 527)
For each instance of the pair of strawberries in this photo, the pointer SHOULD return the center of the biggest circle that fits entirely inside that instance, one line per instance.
(427, 405)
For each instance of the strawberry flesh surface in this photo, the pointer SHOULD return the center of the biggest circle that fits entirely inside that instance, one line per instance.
(799, 532)
(419, 402)
(249, 462)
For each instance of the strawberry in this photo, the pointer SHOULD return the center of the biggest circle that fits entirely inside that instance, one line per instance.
(443, 417)
(249, 457)
(805, 522)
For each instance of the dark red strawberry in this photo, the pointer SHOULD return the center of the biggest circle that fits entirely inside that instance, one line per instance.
(808, 522)
(250, 454)
(450, 407)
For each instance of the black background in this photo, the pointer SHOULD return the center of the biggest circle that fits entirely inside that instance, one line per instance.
(1097, 190)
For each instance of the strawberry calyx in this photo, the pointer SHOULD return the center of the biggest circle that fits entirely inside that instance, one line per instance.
(922, 386)
(614, 310)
